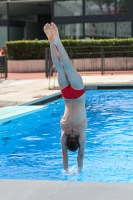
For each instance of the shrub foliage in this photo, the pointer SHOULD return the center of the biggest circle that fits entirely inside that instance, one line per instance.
(34, 49)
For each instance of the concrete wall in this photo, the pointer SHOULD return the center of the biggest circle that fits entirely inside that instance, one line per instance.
(123, 63)
(25, 66)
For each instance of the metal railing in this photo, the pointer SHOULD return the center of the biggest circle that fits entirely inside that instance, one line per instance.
(3, 66)
(105, 60)
(52, 70)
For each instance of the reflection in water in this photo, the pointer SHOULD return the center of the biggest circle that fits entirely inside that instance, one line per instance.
(5, 140)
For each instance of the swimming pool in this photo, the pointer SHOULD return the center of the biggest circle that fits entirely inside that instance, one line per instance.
(30, 146)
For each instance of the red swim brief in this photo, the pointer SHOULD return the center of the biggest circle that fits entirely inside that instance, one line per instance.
(70, 93)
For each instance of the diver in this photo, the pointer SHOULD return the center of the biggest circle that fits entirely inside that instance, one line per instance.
(74, 121)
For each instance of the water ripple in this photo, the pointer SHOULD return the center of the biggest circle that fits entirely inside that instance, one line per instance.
(30, 146)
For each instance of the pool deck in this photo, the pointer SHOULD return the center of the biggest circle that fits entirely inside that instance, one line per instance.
(24, 92)
(63, 190)
(19, 91)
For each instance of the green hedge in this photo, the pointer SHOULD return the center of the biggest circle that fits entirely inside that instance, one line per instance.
(27, 49)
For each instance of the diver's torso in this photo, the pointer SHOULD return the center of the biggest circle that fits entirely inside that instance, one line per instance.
(74, 120)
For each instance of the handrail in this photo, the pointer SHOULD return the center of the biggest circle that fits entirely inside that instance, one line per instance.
(50, 76)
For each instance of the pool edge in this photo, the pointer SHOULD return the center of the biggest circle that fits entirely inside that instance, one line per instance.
(43, 100)
(58, 95)
(57, 190)
(50, 98)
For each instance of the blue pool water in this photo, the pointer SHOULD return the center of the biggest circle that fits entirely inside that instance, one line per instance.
(30, 146)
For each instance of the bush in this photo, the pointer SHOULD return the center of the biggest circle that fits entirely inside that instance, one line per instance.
(28, 50)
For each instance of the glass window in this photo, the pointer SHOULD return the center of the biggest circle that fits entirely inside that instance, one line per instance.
(99, 7)
(16, 33)
(100, 30)
(3, 35)
(3, 29)
(3, 11)
(68, 31)
(123, 6)
(67, 8)
(124, 29)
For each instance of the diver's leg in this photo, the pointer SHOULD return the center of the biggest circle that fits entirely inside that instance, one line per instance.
(74, 78)
(62, 78)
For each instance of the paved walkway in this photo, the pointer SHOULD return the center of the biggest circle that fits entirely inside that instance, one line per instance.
(22, 88)
(63, 190)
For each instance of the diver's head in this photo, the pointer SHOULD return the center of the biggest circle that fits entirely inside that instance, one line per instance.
(72, 142)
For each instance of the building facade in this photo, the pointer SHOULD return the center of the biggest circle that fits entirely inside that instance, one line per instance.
(23, 19)
(78, 19)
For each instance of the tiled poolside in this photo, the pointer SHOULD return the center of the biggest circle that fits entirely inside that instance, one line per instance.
(58, 190)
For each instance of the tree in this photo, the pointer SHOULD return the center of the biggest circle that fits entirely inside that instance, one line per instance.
(100, 3)
(123, 6)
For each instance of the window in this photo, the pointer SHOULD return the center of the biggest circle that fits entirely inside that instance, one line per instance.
(100, 30)
(99, 7)
(3, 35)
(123, 6)
(68, 31)
(16, 33)
(3, 29)
(3, 11)
(124, 29)
(68, 8)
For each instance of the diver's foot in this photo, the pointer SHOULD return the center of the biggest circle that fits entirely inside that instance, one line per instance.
(48, 31)
(55, 38)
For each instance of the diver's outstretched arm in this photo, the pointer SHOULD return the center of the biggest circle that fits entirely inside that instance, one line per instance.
(64, 152)
(82, 142)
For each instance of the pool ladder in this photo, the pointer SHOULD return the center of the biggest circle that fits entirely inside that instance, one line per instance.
(54, 71)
